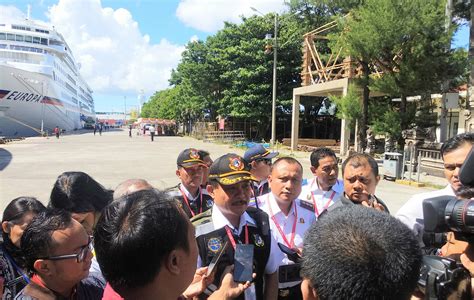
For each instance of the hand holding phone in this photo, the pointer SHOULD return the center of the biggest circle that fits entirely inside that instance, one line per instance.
(243, 263)
(215, 259)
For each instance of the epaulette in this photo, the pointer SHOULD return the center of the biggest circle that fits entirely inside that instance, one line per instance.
(202, 218)
(307, 205)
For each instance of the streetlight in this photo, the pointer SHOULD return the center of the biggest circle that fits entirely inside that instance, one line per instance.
(275, 47)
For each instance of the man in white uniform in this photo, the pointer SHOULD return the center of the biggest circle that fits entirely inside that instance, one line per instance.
(288, 220)
(324, 189)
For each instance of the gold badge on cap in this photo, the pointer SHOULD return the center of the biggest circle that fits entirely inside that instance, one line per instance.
(194, 154)
(236, 164)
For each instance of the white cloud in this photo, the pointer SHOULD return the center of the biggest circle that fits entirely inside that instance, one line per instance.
(209, 15)
(194, 38)
(115, 56)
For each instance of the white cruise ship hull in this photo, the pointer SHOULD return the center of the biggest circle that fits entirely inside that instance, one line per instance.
(28, 99)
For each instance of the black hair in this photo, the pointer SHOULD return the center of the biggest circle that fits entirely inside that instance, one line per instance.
(135, 234)
(77, 192)
(289, 160)
(203, 153)
(37, 241)
(14, 211)
(355, 252)
(457, 141)
(321, 153)
(360, 159)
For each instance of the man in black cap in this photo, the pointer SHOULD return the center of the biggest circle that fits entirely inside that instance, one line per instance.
(191, 169)
(260, 161)
(231, 223)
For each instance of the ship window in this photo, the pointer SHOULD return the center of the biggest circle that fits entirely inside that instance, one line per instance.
(3, 36)
(10, 37)
(36, 40)
(44, 41)
(3, 46)
(19, 38)
(28, 39)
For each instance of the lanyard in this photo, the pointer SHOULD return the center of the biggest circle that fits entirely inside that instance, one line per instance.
(187, 201)
(231, 236)
(22, 274)
(290, 244)
(316, 212)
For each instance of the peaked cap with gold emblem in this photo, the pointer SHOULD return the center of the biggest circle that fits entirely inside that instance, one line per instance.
(230, 169)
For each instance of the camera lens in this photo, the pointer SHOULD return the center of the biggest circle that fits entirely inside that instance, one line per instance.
(459, 215)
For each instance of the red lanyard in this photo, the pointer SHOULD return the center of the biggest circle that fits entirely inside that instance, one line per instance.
(316, 212)
(290, 244)
(187, 201)
(231, 236)
(38, 281)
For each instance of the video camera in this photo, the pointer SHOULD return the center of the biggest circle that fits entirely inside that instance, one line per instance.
(442, 277)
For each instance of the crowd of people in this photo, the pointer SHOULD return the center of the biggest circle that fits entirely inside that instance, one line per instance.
(316, 238)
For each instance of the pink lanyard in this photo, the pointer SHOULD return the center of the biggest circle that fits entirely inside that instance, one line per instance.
(316, 212)
(290, 244)
(187, 201)
(231, 237)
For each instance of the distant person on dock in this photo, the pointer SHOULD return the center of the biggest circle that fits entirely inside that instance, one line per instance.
(101, 126)
(152, 132)
(56, 131)
(96, 126)
(130, 130)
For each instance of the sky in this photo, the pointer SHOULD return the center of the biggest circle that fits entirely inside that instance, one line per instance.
(128, 46)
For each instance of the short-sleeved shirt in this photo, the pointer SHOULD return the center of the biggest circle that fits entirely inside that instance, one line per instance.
(304, 218)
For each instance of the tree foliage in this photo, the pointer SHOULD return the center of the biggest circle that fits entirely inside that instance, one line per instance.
(348, 106)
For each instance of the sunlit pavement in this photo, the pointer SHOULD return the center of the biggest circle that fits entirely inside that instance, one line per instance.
(113, 157)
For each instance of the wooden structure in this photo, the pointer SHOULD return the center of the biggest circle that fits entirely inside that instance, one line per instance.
(223, 136)
(324, 74)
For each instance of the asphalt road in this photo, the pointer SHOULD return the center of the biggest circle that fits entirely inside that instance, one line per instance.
(30, 167)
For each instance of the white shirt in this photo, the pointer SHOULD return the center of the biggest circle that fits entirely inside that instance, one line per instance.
(304, 219)
(411, 213)
(322, 199)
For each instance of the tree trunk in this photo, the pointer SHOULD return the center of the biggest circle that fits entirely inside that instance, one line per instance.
(365, 107)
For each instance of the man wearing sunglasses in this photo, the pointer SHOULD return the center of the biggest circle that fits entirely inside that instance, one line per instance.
(58, 253)
(191, 170)
(260, 161)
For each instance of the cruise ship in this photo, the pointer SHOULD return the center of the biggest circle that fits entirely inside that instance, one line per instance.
(40, 83)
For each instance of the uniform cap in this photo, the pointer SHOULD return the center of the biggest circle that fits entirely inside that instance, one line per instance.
(189, 157)
(258, 152)
(230, 169)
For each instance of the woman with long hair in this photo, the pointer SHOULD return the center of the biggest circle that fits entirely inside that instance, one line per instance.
(16, 216)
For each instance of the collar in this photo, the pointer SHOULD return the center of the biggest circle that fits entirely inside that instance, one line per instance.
(187, 193)
(338, 187)
(276, 209)
(260, 183)
(449, 190)
(219, 220)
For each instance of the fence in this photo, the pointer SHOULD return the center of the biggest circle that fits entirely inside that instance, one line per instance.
(224, 136)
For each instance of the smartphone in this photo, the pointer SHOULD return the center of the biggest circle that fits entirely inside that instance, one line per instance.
(291, 253)
(243, 263)
(215, 259)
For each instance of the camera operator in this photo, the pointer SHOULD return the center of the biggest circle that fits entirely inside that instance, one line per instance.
(453, 152)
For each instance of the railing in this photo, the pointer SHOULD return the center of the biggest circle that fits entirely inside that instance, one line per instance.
(430, 162)
(223, 136)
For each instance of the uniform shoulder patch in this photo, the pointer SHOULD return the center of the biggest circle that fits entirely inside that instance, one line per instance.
(307, 205)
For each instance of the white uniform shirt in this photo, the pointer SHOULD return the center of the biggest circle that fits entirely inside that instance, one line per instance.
(411, 213)
(304, 219)
(322, 199)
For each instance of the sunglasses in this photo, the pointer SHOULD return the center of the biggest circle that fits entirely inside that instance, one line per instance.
(265, 161)
(80, 257)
